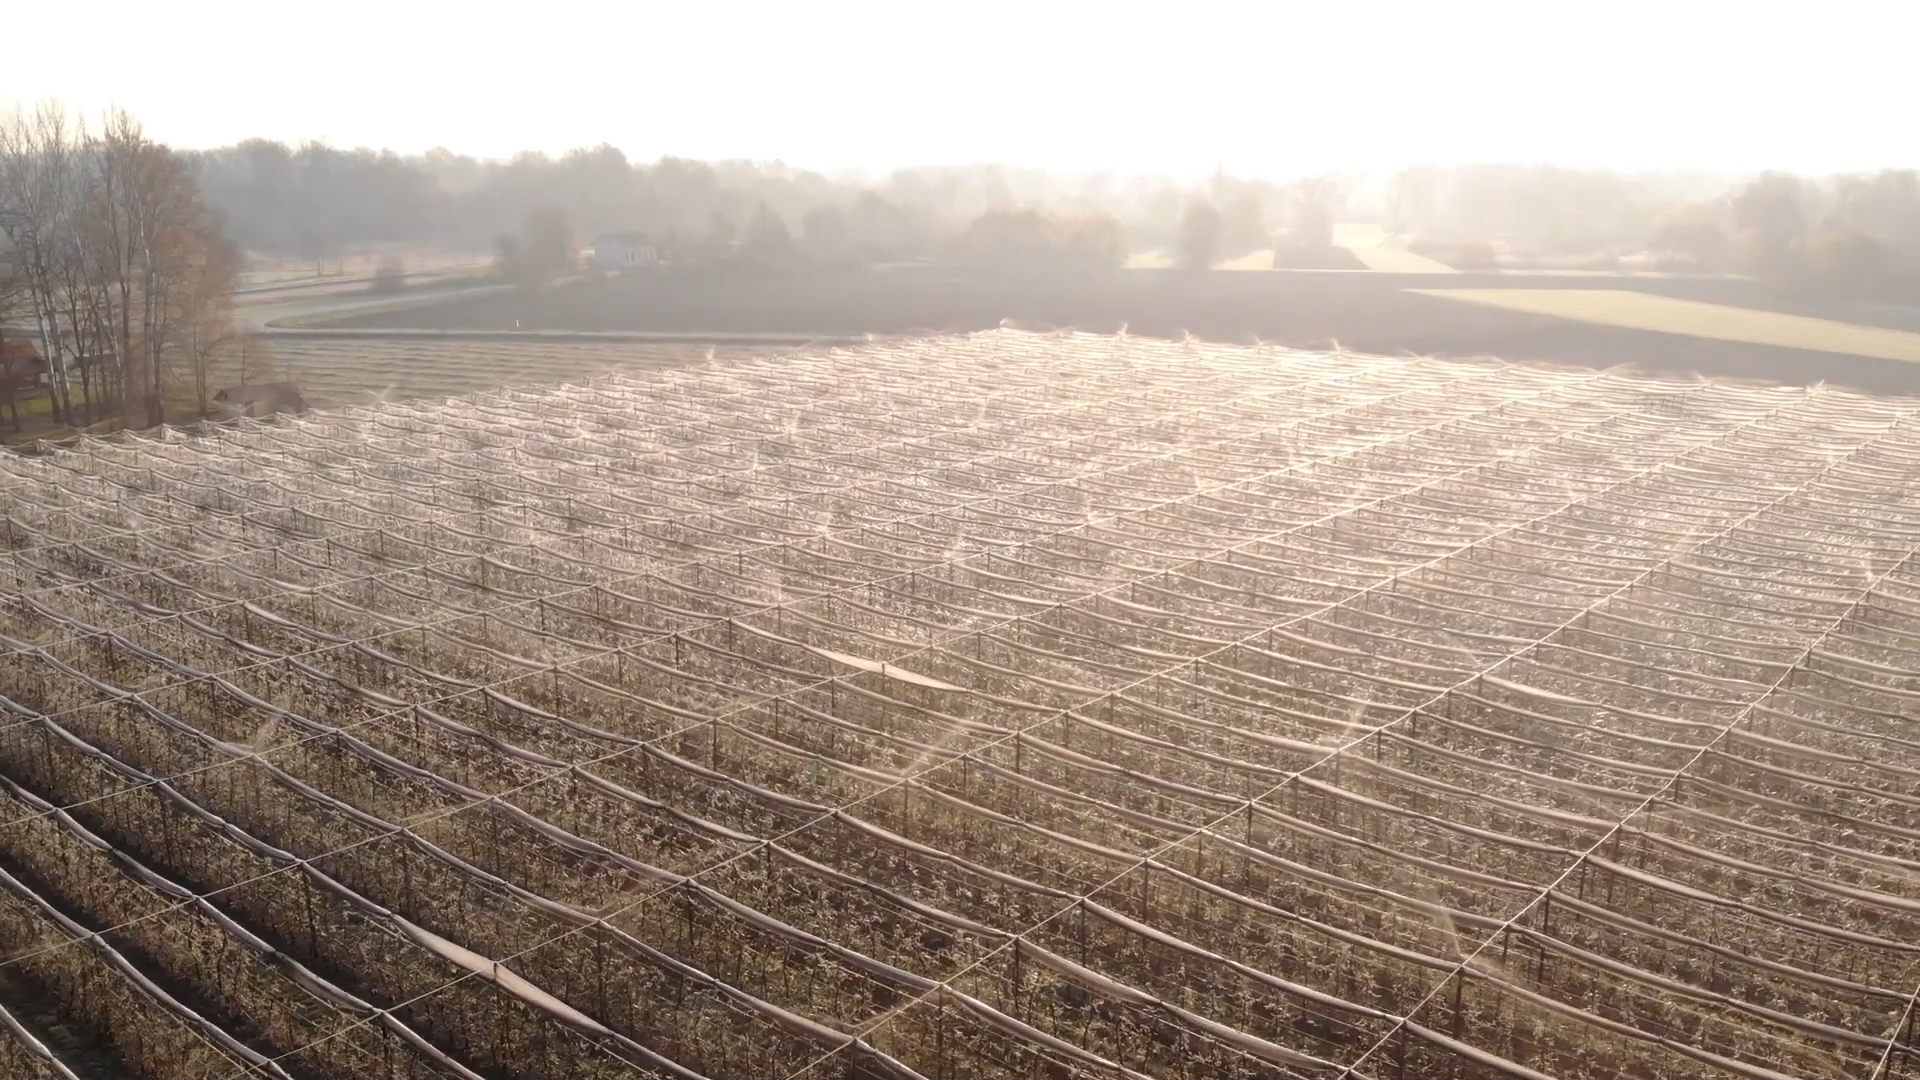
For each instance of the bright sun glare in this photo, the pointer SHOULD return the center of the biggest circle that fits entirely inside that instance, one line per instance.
(1274, 89)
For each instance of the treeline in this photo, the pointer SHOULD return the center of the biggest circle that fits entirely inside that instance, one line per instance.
(109, 254)
(1540, 209)
(1857, 233)
(323, 203)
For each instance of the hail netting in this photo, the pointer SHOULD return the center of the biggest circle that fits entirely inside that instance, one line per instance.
(1001, 705)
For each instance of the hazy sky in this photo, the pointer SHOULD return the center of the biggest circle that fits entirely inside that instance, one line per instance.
(1265, 86)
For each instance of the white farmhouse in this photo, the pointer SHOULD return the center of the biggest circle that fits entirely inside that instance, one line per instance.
(626, 250)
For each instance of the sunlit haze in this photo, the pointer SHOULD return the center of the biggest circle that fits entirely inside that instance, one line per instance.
(1268, 89)
(944, 538)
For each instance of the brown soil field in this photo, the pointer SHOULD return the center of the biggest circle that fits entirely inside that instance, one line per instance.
(1362, 311)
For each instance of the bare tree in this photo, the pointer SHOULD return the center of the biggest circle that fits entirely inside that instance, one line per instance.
(548, 247)
(199, 313)
(168, 268)
(766, 235)
(83, 317)
(1243, 223)
(1096, 239)
(825, 234)
(1316, 202)
(1033, 237)
(1886, 208)
(721, 234)
(1691, 234)
(1200, 236)
(254, 359)
(1006, 234)
(39, 201)
(1771, 215)
(124, 268)
(118, 220)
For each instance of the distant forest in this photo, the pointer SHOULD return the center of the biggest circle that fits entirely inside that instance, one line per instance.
(319, 202)
(322, 203)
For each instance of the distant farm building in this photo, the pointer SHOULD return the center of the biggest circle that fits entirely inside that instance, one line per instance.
(626, 250)
(259, 399)
(24, 373)
(21, 365)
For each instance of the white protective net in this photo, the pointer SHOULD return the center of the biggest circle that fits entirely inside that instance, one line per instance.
(1006, 705)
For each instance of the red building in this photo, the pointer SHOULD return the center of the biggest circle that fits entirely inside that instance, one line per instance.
(23, 373)
(21, 365)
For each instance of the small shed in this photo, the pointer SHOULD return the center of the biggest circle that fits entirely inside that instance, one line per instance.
(259, 399)
(21, 365)
(626, 251)
(24, 373)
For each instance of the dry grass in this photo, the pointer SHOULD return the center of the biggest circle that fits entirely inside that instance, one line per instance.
(1385, 251)
(1399, 261)
(1261, 259)
(1644, 311)
(275, 271)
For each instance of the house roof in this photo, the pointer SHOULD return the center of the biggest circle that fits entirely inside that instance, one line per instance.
(21, 353)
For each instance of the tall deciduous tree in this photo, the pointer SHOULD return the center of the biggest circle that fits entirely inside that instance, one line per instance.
(129, 276)
(1885, 207)
(1693, 234)
(825, 234)
(721, 233)
(766, 235)
(1097, 239)
(40, 206)
(1771, 216)
(1200, 235)
(1316, 203)
(200, 314)
(548, 245)
(160, 256)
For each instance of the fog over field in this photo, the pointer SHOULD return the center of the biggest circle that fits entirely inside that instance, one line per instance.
(959, 542)
(445, 153)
